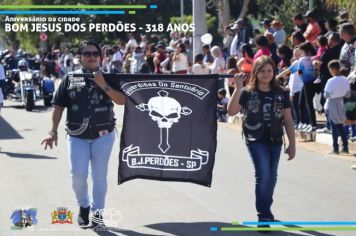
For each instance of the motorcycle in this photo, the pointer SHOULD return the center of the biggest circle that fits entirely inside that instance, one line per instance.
(27, 90)
(47, 91)
(24, 91)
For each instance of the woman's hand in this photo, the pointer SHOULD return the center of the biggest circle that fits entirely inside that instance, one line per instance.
(50, 140)
(291, 152)
(239, 79)
(99, 79)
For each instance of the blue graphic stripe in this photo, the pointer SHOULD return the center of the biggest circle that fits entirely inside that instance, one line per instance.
(153, 6)
(62, 12)
(214, 229)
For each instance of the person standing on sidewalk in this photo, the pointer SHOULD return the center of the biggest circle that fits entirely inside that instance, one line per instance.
(90, 129)
(266, 109)
(336, 89)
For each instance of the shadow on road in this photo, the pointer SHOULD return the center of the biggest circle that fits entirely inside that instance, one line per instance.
(7, 131)
(203, 229)
(27, 156)
(36, 109)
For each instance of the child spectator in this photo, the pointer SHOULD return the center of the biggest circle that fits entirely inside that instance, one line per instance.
(295, 85)
(307, 72)
(322, 43)
(285, 54)
(222, 105)
(199, 67)
(335, 90)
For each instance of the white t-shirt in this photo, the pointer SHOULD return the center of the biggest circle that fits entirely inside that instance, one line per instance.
(199, 69)
(181, 63)
(218, 65)
(295, 83)
(336, 87)
(117, 56)
(131, 43)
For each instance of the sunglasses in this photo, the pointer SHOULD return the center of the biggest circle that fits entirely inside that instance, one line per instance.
(89, 54)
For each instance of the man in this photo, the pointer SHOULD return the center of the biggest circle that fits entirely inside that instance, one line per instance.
(208, 58)
(299, 22)
(90, 129)
(347, 54)
(279, 34)
(160, 56)
(240, 38)
(332, 53)
(313, 28)
(67, 61)
(117, 60)
(267, 26)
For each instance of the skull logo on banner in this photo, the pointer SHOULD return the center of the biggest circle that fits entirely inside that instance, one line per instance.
(165, 111)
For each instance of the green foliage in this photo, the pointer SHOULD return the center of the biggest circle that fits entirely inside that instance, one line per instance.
(283, 10)
(211, 24)
(210, 21)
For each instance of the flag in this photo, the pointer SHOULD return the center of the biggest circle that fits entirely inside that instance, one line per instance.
(169, 128)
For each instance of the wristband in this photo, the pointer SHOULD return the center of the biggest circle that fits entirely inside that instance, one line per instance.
(53, 133)
(106, 88)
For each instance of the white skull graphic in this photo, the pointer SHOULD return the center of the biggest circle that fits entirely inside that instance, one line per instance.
(164, 110)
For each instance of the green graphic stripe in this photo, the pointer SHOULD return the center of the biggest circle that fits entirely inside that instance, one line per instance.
(289, 229)
(235, 223)
(132, 12)
(73, 6)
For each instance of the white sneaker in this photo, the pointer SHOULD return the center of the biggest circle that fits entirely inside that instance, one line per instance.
(299, 126)
(317, 81)
(308, 128)
(323, 130)
(304, 126)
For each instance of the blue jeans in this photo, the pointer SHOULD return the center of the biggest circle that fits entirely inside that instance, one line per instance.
(97, 152)
(265, 158)
(336, 130)
(347, 130)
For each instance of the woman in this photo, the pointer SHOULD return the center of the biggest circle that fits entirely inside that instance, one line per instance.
(245, 63)
(180, 60)
(262, 44)
(266, 108)
(231, 69)
(90, 129)
(218, 65)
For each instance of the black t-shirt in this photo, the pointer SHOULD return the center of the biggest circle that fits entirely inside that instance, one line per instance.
(266, 99)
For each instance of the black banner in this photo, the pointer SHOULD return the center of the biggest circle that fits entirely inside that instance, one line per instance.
(169, 130)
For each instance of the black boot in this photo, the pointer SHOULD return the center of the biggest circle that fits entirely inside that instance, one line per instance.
(83, 217)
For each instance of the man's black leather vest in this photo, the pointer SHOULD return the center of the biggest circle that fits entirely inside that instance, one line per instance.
(90, 111)
(253, 124)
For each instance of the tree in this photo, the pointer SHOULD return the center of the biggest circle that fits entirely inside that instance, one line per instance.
(350, 5)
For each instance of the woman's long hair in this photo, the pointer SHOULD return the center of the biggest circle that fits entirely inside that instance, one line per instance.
(256, 67)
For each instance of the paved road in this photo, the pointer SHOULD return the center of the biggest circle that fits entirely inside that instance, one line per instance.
(310, 188)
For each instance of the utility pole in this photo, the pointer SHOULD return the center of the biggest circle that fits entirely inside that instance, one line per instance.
(310, 5)
(181, 11)
(199, 20)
